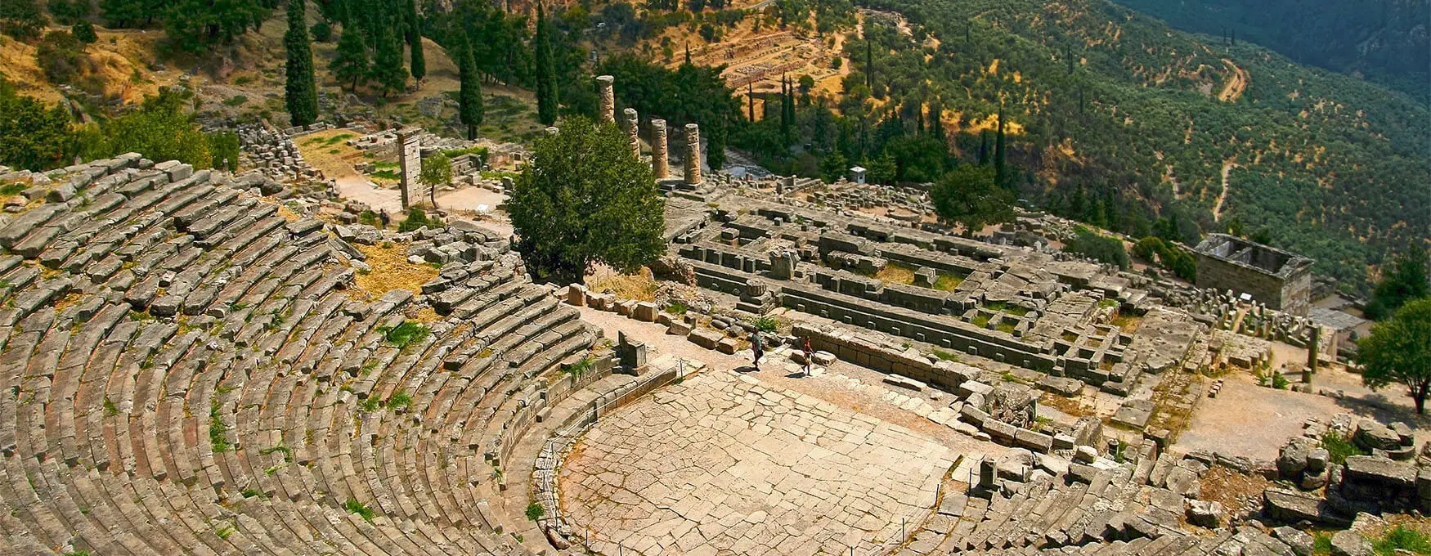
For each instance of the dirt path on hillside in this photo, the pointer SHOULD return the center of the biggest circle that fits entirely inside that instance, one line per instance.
(1236, 84)
(1227, 167)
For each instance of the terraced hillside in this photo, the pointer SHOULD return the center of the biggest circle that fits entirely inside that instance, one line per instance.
(190, 368)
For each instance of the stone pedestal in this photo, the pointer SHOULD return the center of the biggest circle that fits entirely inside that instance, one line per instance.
(606, 99)
(632, 123)
(632, 354)
(660, 167)
(693, 154)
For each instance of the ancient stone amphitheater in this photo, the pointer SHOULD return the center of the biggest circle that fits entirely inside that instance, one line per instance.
(188, 371)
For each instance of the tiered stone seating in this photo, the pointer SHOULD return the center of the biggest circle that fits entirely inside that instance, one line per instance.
(186, 371)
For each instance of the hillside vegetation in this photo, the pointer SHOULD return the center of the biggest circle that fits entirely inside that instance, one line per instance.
(1125, 118)
(1384, 40)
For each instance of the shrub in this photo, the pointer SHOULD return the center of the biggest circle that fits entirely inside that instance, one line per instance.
(1102, 249)
(535, 511)
(218, 439)
(60, 55)
(579, 368)
(945, 355)
(399, 399)
(1339, 448)
(1401, 538)
(363, 511)
(1280, 382)
(767, 325)
(322, 32)
(370, 218)
(236, 100)
(417, 219)
(407, 333)
(84, 32)
(677, 308)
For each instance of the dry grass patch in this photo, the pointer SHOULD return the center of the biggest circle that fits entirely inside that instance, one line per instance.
(426, 315)
(391, 271)
(328, 151)
(640, 286)
(1229, 487)
(896, 274)
(1069, 406)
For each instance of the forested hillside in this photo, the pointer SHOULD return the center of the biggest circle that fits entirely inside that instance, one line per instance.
(1121, 119)
(1383, 40)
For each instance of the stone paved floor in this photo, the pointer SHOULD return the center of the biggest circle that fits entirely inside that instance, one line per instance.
(722, 464)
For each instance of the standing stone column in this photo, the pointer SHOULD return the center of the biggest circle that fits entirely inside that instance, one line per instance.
(660, 167)
(632, 121)
(410, 163)
(606, 112)
(693, 154)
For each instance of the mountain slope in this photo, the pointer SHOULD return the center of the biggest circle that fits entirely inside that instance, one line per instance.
(1385, 40)
(1331, 166)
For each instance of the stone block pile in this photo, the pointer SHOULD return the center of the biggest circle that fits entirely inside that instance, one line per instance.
(276, 156)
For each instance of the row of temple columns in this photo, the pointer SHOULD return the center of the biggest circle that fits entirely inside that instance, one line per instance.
(660, 165)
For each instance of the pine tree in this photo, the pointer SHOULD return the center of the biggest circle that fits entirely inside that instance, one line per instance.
(350, 63)
(546, 70)
(469, 97)
(1000, 170)
(414, 41)
(387, 67)
(300, 92)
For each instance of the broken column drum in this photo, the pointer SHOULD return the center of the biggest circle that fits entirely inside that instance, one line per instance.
(693, 154)
(632, 121)
(606, 97)
(659, 165)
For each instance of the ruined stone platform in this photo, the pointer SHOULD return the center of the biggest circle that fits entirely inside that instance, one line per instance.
(724, 464)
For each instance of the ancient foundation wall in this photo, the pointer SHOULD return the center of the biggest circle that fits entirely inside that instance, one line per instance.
(1290, 295)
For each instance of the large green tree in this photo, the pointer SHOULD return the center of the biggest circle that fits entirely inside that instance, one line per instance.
(469, 94)
(300, 91)
(1399, 351)
(968, 195)
(418, 65)
(1406, 280)
(585, 198)
(545, 70)
(350, 63)
(32, 137)
(162, 129)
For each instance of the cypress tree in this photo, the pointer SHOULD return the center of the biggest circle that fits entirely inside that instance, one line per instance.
(750, 97)
(414, 41)
(936, 124)
(469, 97)
(1000, 171)
(984, 148)
(300, 91)
(387, 67)
(546, 72)
(715, 144)
(350, 64)
(784, 112)
(869, 64)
